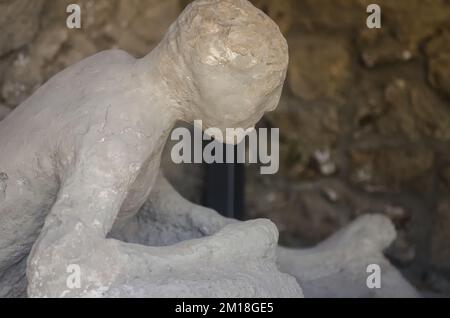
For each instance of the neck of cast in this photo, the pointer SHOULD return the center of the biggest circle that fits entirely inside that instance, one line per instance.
(168, 80)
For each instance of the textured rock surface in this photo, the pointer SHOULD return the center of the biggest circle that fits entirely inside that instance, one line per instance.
(18, 21)
(439, 62)
(309, 54)
(441, 240)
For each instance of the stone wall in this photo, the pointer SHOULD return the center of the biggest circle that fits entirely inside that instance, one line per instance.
(364, 121)
(365, 128)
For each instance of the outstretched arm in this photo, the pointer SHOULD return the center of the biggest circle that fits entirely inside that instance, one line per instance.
(168, 218)
(165, 198)
(75, 231)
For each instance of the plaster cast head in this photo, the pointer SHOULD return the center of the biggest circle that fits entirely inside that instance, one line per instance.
(234, 57)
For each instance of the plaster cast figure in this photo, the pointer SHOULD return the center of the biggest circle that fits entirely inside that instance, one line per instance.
(80, 181)
(81, 156)
(340, 266)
